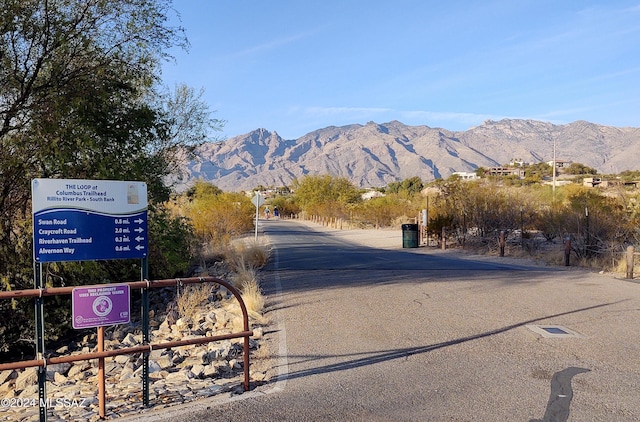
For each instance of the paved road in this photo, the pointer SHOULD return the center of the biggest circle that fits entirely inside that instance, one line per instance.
(368, 334)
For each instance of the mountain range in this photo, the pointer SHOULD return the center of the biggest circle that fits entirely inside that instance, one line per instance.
(372, 155)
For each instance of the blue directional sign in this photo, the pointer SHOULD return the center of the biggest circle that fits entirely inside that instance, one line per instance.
(82, 220)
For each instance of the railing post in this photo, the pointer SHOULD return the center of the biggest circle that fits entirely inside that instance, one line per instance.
(145, 331)
(567, 250)
(101, 390)
(630, 263)
(502, 243)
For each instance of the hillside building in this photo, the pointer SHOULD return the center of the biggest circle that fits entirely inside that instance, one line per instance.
(560, 163)
(465, 175)
(506, 171)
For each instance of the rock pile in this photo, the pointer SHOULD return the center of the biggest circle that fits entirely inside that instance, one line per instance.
(176, 375)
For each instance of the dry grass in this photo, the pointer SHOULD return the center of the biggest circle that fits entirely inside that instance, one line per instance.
(553, 254)
(243, 258)
(191, 298)
(247, 254)
(252, 297)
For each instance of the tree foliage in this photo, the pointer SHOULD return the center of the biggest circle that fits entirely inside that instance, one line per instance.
(79, 99)
(383, 211)
(577, 168)
(325, 195)
(409, 187)
(218, 216)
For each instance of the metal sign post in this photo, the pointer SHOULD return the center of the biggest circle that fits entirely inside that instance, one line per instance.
(144, 269)
(42, 371)
(257, 200)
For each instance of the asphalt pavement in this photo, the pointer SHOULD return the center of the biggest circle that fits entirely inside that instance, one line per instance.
(363, 329)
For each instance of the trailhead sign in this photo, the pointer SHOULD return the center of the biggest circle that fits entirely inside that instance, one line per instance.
(82, 220)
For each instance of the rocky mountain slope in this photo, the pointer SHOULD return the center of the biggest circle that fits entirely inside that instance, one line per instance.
(373, 155)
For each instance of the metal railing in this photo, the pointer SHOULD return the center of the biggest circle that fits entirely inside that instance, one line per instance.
(101, 354)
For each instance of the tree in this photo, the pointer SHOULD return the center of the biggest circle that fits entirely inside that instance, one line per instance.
(217, 216)
(409, 187)
(538, 171)
(577, 168)
(79, 99)
(382, 211)
(187, 122)
(325, 195)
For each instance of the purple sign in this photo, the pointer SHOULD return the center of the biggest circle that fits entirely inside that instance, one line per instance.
(98, 306)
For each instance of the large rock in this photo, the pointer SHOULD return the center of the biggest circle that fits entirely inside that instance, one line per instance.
(7, 375)
(58, 368)
(29, 376)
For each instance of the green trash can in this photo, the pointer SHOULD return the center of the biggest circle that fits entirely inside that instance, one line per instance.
(409, 235)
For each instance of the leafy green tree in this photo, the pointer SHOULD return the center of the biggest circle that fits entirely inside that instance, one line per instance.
(286, 205)
(538, 171)
(325, 195)
(577, 168)
(409, 187)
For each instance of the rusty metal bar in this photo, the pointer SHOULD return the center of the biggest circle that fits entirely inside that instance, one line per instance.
(123, 351)
(53, 291)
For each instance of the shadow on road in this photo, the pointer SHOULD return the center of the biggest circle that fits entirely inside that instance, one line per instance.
(372, 358)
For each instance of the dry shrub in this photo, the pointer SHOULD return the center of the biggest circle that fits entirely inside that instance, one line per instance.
(619, 266)
(252, 297)
(245, 258)
(263, 352)
(191, 298)
(403, 219)
(247, 254)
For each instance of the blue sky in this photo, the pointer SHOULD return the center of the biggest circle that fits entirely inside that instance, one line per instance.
(297, 66)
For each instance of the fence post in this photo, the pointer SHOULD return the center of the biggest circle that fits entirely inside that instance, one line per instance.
(502, 243)
(567, 250)
(444, 237)
(630, 263)
(101, 384)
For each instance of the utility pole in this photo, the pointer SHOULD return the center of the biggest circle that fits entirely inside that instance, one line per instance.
(554, 170)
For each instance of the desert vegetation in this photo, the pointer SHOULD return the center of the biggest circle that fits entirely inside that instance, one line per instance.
(599, 222)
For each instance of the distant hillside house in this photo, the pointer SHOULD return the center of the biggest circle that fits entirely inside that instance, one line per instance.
(372, 194)
(506, 171)
(560, 163)
(517, 162)
(465, 175)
